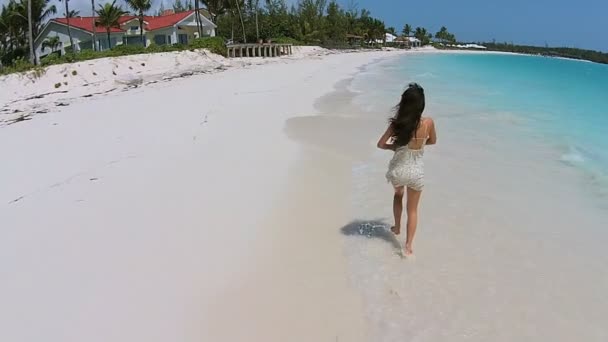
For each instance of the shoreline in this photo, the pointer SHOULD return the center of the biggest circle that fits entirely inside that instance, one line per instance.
(40, 92)
(486, 222)
(217, 207)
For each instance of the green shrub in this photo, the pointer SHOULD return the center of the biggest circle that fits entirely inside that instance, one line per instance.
(123, 50)
(21, 65)
(51, 59)
(57, 85)
(179, 47)
(287, 40)
(214, 44)
(153, 48)
(86, 55)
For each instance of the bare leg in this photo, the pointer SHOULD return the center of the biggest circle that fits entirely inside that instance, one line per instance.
(413, 198)
(397, 209)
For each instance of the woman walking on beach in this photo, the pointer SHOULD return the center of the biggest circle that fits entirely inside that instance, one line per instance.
(406, 135)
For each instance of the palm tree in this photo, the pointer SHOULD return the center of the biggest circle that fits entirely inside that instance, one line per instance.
(73, 14)
(18, 27)
(9, 20)
(197, 17)
(442, 34)
(238, 8)
(17, 17)
(215, 8)
(4, 30)
(257, 26)
(407, 30)
(52, 43)
(30, 33)
(140, 6)
(41, 12)
(67, 11)
(93, 36)
(108, 16)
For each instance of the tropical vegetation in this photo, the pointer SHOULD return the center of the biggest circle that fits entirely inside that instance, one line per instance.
(140, 7)
(589, 55)
(67, 12)
(14, 28)
(108, 16)
(52, 43)
(443, 36)
(318, 22)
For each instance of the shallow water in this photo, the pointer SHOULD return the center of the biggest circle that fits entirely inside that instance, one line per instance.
(509, 245)
(555, 102)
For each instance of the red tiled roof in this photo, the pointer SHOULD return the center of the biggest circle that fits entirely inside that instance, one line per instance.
(153, 22)
(85, 23)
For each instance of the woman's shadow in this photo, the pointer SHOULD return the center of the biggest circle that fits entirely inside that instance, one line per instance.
(374, 229)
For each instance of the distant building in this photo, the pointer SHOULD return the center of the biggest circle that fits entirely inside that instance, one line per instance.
(354, 39)
(390, 38)
(470, 46)
(168, 28)
(414, 42)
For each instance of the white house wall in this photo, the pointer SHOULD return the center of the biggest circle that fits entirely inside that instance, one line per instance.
(61, 31)
(81, 38)
(190, 21)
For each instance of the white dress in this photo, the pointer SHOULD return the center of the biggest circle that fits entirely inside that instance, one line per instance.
(407, 167)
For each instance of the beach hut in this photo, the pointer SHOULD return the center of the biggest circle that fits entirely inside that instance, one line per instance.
(402, 42)
(354, 39)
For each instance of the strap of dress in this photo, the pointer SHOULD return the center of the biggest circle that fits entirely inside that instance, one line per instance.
(426, 133)
(415, 138)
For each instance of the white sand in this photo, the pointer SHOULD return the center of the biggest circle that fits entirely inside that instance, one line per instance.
(510, 245)
(203, 204)
(178, 211)
(26, 94)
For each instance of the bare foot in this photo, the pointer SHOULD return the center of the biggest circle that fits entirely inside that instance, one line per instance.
(396, 230)
(408, 250)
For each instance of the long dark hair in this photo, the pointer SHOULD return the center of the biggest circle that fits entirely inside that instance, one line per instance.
(407, 114)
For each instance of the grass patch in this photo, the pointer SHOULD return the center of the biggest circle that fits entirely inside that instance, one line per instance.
(214, 44)
(287, 40)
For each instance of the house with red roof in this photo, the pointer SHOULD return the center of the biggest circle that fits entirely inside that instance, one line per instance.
(168, 28)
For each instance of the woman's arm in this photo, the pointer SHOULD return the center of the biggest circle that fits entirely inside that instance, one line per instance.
(432, 140)
(383, 142)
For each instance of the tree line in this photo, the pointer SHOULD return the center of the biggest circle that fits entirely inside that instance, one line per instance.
(321, 22)
(21, 21)
(589, 55)
(307, 21)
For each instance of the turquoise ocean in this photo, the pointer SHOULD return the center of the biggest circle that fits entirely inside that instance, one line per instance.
(512, 222)
(562, 103)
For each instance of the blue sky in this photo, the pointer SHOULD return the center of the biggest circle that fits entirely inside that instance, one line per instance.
(580, 23)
